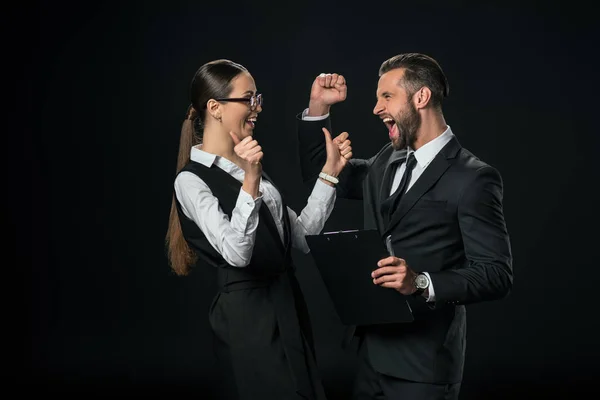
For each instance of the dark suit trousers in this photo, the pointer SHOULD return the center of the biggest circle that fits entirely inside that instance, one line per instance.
(372, 385)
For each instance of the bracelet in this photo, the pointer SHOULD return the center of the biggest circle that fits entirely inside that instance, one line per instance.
(329, 178)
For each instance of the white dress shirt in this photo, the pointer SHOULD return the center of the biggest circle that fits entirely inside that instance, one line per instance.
(234, 239)
(424, 155)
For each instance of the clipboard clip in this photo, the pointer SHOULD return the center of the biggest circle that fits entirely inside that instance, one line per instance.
(331, 233)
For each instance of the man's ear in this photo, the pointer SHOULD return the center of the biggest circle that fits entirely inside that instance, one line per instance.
(422, 97)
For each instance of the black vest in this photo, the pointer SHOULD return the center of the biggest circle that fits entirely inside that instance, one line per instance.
(270, 256)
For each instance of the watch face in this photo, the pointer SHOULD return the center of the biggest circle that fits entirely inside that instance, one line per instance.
(421, 281)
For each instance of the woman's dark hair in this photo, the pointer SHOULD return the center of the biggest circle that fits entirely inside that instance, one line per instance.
(211, 81)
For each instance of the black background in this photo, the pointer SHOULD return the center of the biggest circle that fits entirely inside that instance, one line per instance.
(103, 93)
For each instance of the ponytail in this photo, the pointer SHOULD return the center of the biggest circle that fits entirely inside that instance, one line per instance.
(181, 256)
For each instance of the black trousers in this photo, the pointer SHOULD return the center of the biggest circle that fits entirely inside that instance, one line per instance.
(263, 342)
(372, 385)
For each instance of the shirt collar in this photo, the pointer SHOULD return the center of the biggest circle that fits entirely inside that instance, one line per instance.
(426, 153)
(208, 159)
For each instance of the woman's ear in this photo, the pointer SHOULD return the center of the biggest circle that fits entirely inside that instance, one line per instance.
(214, 108)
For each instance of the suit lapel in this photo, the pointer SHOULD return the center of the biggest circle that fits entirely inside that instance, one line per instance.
(386, 184)
(428, 178)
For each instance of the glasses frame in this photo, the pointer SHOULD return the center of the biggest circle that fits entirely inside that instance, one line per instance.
(254, 101)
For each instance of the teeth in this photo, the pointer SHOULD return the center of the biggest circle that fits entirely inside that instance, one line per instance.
(252, 119)
(388, 120)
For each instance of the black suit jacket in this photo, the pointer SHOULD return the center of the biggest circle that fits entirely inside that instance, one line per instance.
(449, 224)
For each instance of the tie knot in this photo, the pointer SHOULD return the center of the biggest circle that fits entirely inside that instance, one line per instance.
(411, 161)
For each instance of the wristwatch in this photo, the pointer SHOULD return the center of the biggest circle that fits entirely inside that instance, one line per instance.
(421, 282)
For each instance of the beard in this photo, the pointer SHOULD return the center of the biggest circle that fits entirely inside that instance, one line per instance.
(408, 123)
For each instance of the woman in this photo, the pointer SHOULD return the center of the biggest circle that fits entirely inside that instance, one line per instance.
(229, 215)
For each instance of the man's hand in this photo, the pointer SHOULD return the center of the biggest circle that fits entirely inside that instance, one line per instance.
(327, 89)
(339, 151)
(393, 272)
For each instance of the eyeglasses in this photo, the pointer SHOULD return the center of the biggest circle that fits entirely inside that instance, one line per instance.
(255, 100)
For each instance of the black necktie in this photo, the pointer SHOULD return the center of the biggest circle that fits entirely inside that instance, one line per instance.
(389, 205)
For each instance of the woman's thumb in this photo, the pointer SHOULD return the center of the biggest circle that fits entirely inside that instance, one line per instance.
(236, 139)
(327, 136)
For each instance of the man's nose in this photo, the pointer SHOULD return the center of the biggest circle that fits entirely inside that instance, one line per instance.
(378, 109)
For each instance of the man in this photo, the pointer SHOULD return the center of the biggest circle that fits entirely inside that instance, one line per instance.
(442, 207)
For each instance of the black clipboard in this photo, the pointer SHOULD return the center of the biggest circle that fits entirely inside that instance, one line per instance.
(345, 260)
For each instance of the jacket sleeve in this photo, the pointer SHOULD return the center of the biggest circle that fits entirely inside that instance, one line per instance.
(487, 273)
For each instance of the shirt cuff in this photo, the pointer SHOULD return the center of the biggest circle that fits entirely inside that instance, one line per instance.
(311, 118)
(431, 297)
(247, 211)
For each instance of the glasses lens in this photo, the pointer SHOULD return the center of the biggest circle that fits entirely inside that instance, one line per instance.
(255, 101)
